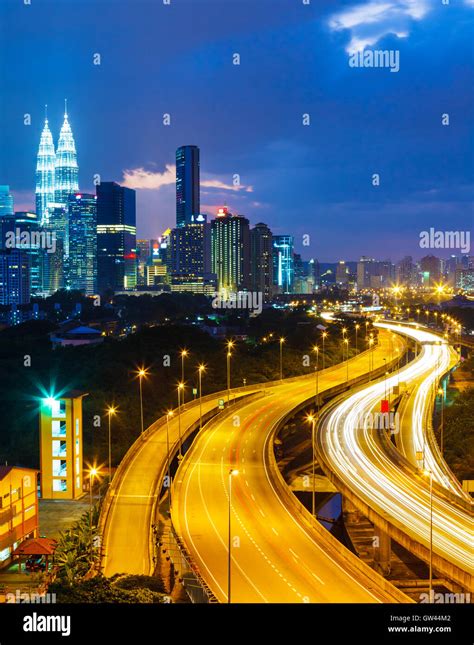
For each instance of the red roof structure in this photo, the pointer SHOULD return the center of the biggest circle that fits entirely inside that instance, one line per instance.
(36, 546)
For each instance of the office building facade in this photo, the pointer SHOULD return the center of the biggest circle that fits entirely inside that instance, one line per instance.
(283, 263)
(116, 238)
(187, 184)
(82, 216)
(6, 202)
(45, 174)
(66, 171)
(261, 261)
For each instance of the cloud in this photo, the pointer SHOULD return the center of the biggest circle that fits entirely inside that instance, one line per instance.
(150, 180)
(216, 183)
(371, 21)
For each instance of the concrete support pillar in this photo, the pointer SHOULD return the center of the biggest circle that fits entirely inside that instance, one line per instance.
(351, 513)
(382, 551)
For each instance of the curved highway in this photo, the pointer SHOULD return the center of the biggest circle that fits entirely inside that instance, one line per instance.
(356, 455)
(276, 555)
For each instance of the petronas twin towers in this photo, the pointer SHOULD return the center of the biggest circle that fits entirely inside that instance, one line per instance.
(56, 171)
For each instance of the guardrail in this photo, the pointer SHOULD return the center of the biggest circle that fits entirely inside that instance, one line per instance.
(189, 576)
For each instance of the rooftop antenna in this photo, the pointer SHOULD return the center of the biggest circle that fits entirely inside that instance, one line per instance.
(65, 107)
(46, 112)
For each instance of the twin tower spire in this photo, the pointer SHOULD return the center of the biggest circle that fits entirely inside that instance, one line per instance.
(56, 171)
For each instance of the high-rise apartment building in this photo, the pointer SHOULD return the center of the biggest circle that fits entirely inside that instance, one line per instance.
(230, 251)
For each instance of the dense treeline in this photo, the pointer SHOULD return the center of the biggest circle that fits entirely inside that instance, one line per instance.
(107, 373)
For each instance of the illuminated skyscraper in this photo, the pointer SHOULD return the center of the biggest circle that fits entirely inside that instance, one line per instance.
(187, 184)
(230, 251)
(283, 262)
(45, 165)
(66, 169)
(6, 202)
(82, 216)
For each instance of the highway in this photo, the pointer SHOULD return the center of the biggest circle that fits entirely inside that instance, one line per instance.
(276, 555)
(417, 409)
(127, 525)
(355, 453)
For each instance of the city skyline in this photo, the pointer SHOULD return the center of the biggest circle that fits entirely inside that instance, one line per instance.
(316, 177)
(57, 163)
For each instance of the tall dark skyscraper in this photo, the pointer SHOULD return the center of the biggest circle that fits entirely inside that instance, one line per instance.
(82, 213)
(116, 237)
(187, 185)
(261, 260)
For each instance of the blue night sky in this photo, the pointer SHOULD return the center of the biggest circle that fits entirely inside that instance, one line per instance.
(247, 119)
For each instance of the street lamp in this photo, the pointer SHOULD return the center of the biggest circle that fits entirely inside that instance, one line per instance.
(357, 327)
(371, 357)
(316, 349)
(282, 340)
(346, 343)
(441, 429)
(141, 374)
(111, 410)
(184, 354)
(324, 334)
(179, 388)
(312, 419)
(230, 345)
(93, 472)
(430, 474)
(168, 464)
(201, 369)
(232, 473)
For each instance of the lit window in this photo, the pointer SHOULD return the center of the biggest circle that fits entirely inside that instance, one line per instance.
(59, 485)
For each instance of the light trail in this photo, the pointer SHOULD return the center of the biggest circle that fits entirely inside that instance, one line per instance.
(357, 456)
